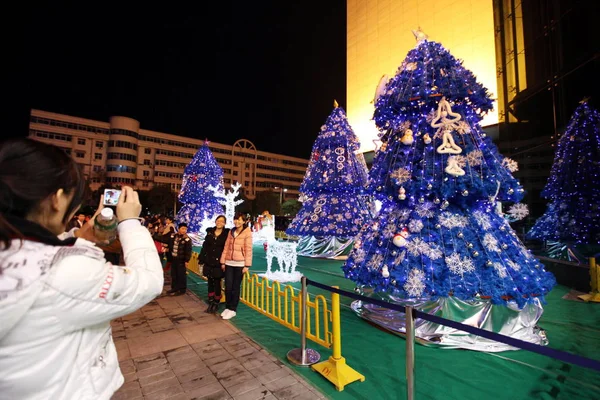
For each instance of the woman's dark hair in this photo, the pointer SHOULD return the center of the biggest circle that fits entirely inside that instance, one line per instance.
(30, 171)
(242, 215)
(221, 216)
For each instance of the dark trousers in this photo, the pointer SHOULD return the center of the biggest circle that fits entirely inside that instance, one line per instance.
(214, 288)
(233, 282)
(178, 276)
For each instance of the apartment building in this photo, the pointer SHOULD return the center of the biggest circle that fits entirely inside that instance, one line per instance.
(120, 152)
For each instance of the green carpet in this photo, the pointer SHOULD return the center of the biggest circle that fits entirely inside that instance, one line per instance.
(439, 373)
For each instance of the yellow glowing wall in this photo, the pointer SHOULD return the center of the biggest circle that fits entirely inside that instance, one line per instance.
(379, 37)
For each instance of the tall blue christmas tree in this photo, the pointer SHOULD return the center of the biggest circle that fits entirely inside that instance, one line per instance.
(573, 189)
(200, 204)
(335, 205)
(438, 240)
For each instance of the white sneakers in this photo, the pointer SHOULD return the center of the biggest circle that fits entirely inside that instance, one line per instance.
(228, 314)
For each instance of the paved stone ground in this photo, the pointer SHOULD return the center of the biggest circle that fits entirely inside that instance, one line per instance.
(172, 349)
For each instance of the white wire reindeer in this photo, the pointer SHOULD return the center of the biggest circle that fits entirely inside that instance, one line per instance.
(285, 253)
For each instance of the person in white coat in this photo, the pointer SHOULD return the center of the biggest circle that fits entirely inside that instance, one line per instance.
(57, 292)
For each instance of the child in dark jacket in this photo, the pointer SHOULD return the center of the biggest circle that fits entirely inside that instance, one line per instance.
(180, 247)
(210, 255)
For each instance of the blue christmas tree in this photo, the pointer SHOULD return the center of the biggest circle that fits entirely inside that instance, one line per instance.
(335, 205)
(439, 177)
(573, 188)
(200, 204)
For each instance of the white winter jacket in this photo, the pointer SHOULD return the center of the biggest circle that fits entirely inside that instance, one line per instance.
(57, 298)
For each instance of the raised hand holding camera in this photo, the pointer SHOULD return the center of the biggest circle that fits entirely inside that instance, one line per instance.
(101, 229)
(129, 206)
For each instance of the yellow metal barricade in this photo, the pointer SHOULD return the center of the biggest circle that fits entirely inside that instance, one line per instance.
(283, 306)
(594, 294)
(335, 368)
(194, 265)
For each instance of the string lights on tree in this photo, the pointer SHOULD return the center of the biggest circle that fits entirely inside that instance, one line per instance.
(335, 205)
(438, 238)
(572, 217)
(200, 206)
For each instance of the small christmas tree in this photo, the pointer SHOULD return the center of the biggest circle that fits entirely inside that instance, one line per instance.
(438, 240)
(201, 206)
(573, 189)
(335, 205)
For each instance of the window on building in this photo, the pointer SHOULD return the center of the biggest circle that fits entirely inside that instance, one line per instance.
(247, 174)
(235, 164)
(97, 168)
(246, 183)
(79, 154)
(100, 145)
(80, 141)
(146, 173)
(146, 162)
(148, 150)
(235, 173)
(97, 156)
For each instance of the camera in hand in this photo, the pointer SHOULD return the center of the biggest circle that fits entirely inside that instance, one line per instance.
(111, 197)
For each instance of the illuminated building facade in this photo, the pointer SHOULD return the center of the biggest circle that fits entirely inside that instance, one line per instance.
(120, 152)
(547, 55)
(379, 35)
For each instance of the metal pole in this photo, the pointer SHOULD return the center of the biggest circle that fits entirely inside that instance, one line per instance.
(410, 353)
(303, 356)
(303, 321)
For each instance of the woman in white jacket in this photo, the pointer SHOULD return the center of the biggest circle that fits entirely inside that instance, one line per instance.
(57, 292)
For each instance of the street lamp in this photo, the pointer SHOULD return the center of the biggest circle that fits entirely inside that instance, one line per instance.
(174, 192)
(281, 191)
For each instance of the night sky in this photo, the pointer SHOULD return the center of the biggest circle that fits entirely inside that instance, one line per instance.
(264, 71)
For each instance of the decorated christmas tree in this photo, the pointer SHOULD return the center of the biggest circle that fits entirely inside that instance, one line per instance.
(200, 178)
(438, 241)
(572, 218)
(335, 205)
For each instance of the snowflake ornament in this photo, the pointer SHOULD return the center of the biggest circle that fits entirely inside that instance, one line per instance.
(518, 211)
(415, 284)
(500, 270)
(510, 164)
(459, 266)
(463, 127)
(475, 158)
(400, 176)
